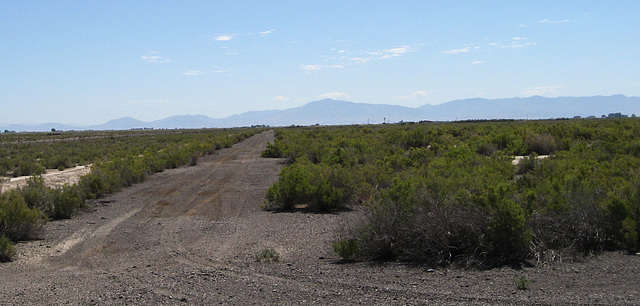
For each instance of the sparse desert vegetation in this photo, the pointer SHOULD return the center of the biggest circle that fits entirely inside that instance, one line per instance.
(450, 193)
(189, 234)
(119, 159)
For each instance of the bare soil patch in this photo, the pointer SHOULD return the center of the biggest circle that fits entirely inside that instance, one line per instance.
(52, 178)
(189, 236)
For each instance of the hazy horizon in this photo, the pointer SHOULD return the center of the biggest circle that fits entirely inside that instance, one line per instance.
(329, 111)
(85, 63)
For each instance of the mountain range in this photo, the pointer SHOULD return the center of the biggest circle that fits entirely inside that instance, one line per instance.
(334, 112)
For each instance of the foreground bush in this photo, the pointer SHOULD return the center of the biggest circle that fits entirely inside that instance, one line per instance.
(7, 250)
(451, 193)
(56, 203)
(317, 187)
(17, 220)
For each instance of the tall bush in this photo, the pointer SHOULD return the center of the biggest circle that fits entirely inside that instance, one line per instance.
(17, 220)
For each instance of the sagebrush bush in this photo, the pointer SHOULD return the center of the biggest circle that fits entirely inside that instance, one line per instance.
(347, 249)
(37, 195)
(274, 150)
(522, 283)
(17, 220)
(7, 249)
(318, 187)
(67, 200)
(442, 235)
(27, 168)
(56, 203)
(542, 144)
(267, 255)
(448, 192)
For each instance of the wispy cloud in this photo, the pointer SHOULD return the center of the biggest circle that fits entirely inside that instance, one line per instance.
(477, 62)
(153, 57)
(553, 21)
(153, 101)
(319, 67)
(333, 95)
(516, 42)
(457, 51)
(281, 98)
(224, 38)
(541, 90)
(413, 95)
(266, 32)
(519, 42)
(393, 52)
(193, 72)
(360, 60)
(344, 58)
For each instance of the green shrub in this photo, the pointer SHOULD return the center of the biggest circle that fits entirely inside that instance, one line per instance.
(522, 283)
(267, 255)
(27, 168)
(347, 249)
(57, 203)
(274, 150)
(510, 235)
(94, 184)
(17, 220)
(7, 250)
(442, 235)
(194, 159)
(448, 192)
(37, 195)
(630, 232)
(318, 187)
(67, 200)
(542, 144)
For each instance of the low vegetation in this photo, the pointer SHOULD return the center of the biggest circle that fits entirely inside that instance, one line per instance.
(7, 250)
(522, 283)
(267, 255)
(451, 193)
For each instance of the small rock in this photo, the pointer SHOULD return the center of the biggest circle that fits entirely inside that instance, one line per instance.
(431, 270)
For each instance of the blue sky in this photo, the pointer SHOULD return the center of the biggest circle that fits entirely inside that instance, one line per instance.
(86, 62)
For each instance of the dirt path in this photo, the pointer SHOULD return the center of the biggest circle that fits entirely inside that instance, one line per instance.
(53, 178)
(189, 236)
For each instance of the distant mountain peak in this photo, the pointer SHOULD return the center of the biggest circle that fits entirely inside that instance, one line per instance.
(336, 112)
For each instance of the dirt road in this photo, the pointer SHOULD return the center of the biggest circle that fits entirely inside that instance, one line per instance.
(189, 236)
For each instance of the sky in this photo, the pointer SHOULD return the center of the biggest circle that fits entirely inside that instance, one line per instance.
(87, 62)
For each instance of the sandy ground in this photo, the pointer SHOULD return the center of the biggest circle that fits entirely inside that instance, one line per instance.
(189, 236)
(518, 159)
(52, 178)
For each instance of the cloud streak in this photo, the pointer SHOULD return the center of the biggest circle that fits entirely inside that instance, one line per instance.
(153, 57)
(333, 95)
(193, 72)
(224, 38)
(458, 51)
(362, 57)
(320, 67)
(553, 21)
